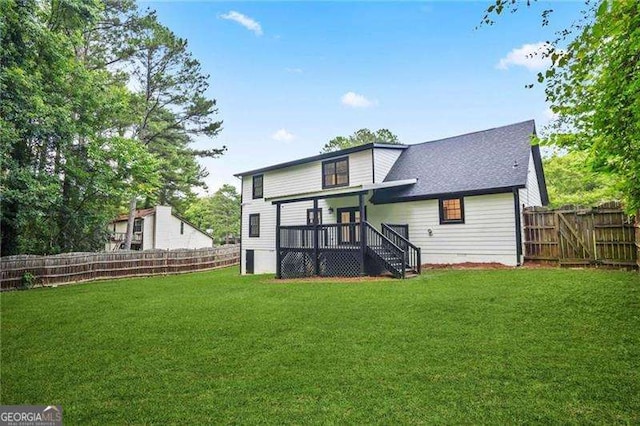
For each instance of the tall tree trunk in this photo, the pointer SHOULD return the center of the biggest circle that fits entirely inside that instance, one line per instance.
(130, 220)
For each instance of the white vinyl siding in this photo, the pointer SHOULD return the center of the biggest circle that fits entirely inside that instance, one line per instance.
(308, 177)
(267, 238)
(384, 159)
(264, 261)
(530, 196)
(264, 246)
(148, 237)
(168, 236)
(299, 179)
(488, 234)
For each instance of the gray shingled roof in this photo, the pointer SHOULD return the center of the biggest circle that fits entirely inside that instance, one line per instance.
(475, 162)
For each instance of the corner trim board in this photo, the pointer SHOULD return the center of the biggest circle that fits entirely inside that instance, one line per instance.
(516, 208)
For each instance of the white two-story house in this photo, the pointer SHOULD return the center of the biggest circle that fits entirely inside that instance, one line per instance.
(380, 208)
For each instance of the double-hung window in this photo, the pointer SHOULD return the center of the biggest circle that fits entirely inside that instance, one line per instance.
(258, 186)
(254, 225)
(335, 173)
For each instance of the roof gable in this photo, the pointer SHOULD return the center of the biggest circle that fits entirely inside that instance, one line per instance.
(322, 157)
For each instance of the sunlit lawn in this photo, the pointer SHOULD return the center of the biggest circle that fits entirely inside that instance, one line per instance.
(489, 346)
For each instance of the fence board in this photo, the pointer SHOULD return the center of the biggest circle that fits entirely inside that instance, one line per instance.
(637, 232)
(82, 267)
(570, 236)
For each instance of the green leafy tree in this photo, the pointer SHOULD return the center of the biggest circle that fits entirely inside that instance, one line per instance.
(571, 180)
(219, 213)
(171, 97)
(66, 167)
(593, 84)
(360, 137)
(180, 172)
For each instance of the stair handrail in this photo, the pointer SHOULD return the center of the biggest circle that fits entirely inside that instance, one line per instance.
(387, 242)
(417, 249)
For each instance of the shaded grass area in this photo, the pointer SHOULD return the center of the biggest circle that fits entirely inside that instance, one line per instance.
(450, 346)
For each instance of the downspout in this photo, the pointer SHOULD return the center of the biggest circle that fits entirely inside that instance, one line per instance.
(241, 217)
(278, 260)
(316, 240)
(373, 165)
(516, 208)
(363, 234)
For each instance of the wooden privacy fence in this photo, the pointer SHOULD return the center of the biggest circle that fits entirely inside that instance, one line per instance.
(79, 267)
(604, 235)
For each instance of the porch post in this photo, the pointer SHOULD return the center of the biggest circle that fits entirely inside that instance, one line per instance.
(316, 253)
(363, 234)
(278, 272)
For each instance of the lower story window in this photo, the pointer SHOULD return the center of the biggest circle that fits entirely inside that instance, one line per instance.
(451, 210)
(254, 225)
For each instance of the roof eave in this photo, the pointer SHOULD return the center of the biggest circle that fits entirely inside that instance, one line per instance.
(321, 157)
(435, 196)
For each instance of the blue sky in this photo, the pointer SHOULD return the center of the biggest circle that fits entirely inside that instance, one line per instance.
(289, 76)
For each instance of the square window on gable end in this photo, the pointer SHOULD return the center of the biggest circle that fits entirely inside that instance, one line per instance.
(451, 210)
(258, 186)
(335, 173)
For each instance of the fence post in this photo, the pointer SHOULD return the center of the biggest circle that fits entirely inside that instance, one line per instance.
(637, 239)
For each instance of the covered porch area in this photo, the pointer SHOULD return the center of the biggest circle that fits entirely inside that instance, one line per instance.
(327, 234)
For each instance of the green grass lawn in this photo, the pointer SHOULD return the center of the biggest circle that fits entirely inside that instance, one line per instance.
(474, 346)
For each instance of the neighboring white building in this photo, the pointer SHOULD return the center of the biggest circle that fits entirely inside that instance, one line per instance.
(455, 200)
(157, 228)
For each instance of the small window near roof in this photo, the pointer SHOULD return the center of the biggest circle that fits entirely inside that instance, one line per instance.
(137, 225)
(181, 228)
(254, 225)
(258, 184)
(335, 173)
(451, 210)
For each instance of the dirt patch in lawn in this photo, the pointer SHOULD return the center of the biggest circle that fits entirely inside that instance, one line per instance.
(466, 265)
(328, 279)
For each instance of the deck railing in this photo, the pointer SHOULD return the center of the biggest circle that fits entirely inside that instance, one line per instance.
(121, 236)
(341, 249)
(338, 236)
(412, 252)
(386, 250)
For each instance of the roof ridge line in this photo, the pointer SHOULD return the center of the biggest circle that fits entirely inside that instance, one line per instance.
(473, 133)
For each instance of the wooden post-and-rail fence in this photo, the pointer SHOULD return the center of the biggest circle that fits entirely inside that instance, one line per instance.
(604, 235)
(16, 271)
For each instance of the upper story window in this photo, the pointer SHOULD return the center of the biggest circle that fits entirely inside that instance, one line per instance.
(137, 225)
(181, 228)
(258, 186)
(335, 173)
(451, 210)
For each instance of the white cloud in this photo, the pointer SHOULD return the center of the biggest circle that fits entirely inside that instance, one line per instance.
(550, 115)
(247, 22)
(355, 100)
(294, 70)
(529, 56)
(283, 135)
